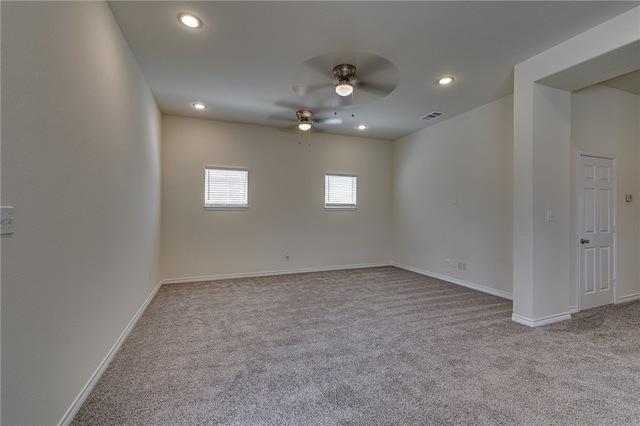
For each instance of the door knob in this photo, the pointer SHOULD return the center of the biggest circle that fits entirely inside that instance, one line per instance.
(583, 241)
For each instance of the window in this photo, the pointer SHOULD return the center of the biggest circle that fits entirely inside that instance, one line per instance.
(225, 188)
(340, 192)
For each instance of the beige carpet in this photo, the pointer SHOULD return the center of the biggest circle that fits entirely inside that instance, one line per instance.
(378, 346)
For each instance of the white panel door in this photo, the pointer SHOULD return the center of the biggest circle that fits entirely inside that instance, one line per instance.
(597, 232)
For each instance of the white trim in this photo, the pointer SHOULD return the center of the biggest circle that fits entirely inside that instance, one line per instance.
(473, 286)
(573, 310)
(629, 298)
(540, 321)
(596, 155)
(271, 273)
(77, 403)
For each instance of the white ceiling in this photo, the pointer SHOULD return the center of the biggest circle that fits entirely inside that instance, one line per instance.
(629, 82)
(246, 59)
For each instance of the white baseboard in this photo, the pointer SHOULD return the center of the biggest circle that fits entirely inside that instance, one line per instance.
(271, 273)
(629, 298)
(77, 403)
(540, 321)
(467, 284)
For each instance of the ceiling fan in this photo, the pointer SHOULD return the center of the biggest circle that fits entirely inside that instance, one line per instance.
(368, 77)
(345, 79)
(305, 121)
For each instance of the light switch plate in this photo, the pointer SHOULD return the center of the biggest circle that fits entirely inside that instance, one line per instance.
(7, 219)
(551, 216)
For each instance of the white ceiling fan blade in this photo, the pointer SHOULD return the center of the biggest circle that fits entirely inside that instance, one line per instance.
(333, 121)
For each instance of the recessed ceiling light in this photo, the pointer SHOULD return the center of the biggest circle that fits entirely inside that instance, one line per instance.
(445, 80)
(361, 126)
(190, 20)
(199, 105)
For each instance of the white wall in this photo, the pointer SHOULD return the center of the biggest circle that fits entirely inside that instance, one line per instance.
(551, 186)
(542, 286)
(453, 197)
(607, 121)
(286, 200)
(81, 166)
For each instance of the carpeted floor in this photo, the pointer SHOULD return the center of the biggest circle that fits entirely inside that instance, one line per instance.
(378, 346)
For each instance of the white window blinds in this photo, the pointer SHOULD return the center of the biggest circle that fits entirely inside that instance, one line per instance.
(226, 188)
(340, 191)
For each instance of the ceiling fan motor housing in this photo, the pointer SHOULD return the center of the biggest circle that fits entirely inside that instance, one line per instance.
(304, 115)
(344, 72)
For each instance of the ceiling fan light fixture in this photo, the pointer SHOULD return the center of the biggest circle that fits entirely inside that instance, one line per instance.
(344, 75)
(190, 20)
(344, 89)
(304, 119)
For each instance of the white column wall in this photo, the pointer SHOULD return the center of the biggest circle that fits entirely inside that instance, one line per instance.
(541, 162)
(551, 184)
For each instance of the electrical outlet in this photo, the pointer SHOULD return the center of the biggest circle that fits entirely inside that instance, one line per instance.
(447, 262)
(464, 266)
(459, 265)
(287, 256)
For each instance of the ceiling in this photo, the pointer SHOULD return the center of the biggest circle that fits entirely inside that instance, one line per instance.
(629, 82)
(249, 60)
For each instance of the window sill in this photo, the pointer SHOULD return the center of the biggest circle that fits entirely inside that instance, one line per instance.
(226, 208)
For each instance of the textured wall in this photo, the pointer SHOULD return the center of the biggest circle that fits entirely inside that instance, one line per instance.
(286, 200)
(607, 121)
(81, 166)
(452, 196)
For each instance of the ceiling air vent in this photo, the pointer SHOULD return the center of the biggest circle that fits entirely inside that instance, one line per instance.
(431, 115)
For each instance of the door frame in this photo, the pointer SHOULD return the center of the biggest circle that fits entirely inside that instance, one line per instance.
(579, 204)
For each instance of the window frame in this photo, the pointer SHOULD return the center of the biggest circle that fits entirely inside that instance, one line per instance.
(228, 206)
(340, 207)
